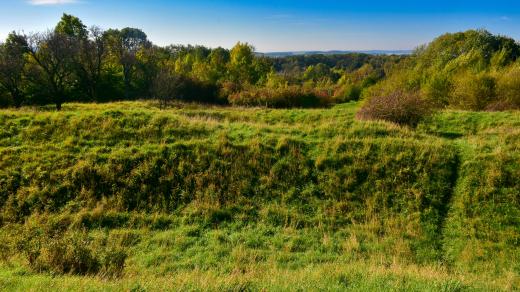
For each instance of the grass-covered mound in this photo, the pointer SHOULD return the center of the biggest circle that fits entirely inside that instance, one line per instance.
(483, 227)
(253, 199)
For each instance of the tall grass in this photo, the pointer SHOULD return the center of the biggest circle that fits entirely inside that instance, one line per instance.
(257, 199)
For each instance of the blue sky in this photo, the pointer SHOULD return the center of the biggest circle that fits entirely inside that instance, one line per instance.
(281, 25)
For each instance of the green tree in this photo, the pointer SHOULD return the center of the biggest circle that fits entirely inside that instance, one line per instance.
(241, 67)
(91, 60)
(71, 26)
(217, 63)
(12, 64)
(124, 45)
(53, 57)
(317, 72)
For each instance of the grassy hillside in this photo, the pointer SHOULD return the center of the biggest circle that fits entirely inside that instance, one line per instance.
(127, 196)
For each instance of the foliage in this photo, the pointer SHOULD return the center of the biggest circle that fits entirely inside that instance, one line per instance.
(281, 97)
(73, 63)
(169, 87)
(508, 87)
(71, 26)
(468, 70)
(473, 91)
(403, 108)
(461, 70)
(12, 67)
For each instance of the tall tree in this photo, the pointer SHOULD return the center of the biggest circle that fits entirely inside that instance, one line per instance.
(12, 64)
(53, 57)
(72, 26)
(241, 63)
(124, 45)
(245, 67)
(90, 62)
(218, 60)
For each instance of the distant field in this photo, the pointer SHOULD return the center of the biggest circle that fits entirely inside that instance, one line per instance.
(212, 198)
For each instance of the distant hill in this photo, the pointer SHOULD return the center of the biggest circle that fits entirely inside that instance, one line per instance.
(336, 52)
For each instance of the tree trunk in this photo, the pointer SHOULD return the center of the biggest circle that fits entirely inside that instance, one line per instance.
(127, 89)
(17, 99)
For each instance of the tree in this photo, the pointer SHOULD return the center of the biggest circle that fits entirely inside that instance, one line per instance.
(12, 64)
(245, 67)
(150, 60)
(124, 45)
(317, 72)
(52, 57)
(241, 63)
(71, 26)
(91, 61)
(218, 59)
(165, 87)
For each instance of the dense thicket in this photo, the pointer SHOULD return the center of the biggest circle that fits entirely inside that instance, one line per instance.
(471, 70)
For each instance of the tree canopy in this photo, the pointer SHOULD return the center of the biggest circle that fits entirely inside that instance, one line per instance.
(470, 70)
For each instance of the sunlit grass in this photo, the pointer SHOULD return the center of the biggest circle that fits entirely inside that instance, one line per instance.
(219, 198)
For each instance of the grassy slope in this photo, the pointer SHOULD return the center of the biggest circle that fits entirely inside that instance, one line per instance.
(251, 198)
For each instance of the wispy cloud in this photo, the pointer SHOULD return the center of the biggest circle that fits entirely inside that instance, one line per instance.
(52, 2)
(505, 18)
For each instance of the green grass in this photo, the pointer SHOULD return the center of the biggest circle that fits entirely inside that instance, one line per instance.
(202, 198)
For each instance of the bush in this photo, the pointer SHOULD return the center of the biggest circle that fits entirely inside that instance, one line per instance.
(508, 90)
(228, 88)
(438, 89)
(69, 254)
(113, 263)
(168, 87)
(403, 108)
(50, 248)
(348, 92)
(501, 105)
(287, 97)
(473, 92)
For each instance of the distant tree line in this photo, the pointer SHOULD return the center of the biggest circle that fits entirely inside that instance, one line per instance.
(74, 63)
(469, 70)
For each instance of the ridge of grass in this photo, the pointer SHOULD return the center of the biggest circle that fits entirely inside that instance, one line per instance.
(258, 199)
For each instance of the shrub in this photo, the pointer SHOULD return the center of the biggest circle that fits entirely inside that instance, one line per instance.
(168, 87)
(403, 108)
(437, 89)
(473, 92)
(501, 105)
(508, 90)
(113, 263)
(60, 251)
(5, 99)
(228, 88)
(287, 97)
(69, 254)
(347, 93)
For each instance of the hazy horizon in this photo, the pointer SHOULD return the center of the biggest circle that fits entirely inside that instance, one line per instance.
(275, 26)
